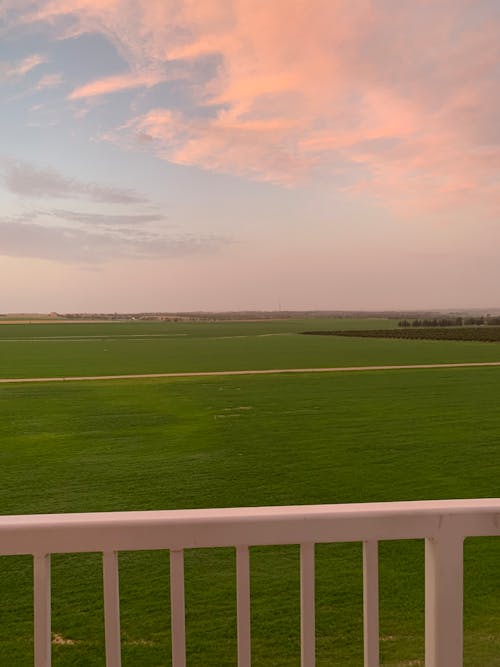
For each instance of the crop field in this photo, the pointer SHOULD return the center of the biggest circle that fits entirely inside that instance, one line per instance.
(238, 441)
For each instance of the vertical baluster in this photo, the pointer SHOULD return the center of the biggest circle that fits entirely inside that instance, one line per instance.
(41, 600)
(243, 605)
(177, 605)
(370, 603)
(307, 606)
(111, 608)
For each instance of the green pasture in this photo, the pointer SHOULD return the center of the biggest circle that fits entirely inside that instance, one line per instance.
(191, 328)
(59, 349)
(249, 440)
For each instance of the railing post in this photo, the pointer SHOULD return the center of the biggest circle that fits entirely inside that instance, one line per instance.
(444, 601)
(177, 606)
(307, 606)
(111, 608)
(41, 603)
(243, 605)
(370, 604)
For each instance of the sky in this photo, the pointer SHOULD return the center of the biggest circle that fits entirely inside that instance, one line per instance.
(175, 155)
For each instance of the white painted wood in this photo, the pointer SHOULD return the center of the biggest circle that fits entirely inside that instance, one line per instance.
(226, 527)
(444, 601)
(307, 606)
(41, 600)
(370, 604)
(111, 608)
(177, 607)
(243, 606)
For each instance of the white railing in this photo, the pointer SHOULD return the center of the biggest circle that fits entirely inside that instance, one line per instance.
(443, 524)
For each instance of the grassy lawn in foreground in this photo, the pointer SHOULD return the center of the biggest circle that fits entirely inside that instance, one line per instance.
(214, 442)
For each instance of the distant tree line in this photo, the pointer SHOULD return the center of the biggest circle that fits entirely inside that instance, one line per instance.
(472, 333)
(451, 322)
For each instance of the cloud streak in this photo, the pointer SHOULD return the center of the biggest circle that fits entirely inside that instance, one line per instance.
(27, 180)
(90, 236)
(25, 236)
(13, 71)
(108, 220)
(115, 84)
(49, 81)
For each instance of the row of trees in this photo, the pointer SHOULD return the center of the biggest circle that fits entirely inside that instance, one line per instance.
(480, 334)
(451, 322)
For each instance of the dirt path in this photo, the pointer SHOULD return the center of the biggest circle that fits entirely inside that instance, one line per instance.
(270, 371)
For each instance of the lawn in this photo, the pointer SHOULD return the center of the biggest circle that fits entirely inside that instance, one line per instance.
(236, 441)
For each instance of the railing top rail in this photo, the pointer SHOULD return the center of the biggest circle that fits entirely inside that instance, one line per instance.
(178, 529)
(166, 517)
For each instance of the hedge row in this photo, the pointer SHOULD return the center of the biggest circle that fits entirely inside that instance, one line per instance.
(488, 334)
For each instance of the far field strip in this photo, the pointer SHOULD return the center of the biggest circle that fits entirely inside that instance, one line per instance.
(141, 337)
(267, 371)
(103, 337)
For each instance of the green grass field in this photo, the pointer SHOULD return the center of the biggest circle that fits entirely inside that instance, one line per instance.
(47, 350)
(236, 441)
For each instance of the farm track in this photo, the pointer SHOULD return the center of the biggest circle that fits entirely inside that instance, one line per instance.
(269, 371)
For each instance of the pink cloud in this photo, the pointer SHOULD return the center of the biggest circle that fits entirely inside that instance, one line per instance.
(22, 67)
(49, 81)
(250, 148)
(113, 84)
(399, 102)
